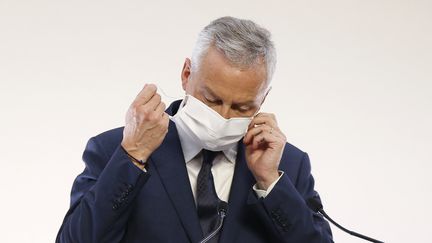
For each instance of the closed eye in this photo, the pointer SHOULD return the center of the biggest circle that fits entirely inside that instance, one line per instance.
(213, 101)
(241, 107)
(244, 109)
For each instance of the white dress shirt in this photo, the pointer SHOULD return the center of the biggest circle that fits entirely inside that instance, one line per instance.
(222, 169)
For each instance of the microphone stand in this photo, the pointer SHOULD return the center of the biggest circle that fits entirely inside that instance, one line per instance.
(323, 213)
(314, 203)
(222, 211)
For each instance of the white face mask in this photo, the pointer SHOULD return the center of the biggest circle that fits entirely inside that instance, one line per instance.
(209, 128)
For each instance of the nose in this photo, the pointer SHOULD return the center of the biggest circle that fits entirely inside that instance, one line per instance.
(225, 111)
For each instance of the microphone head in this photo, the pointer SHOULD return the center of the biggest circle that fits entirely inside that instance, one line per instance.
(314, 203)
(222, 207)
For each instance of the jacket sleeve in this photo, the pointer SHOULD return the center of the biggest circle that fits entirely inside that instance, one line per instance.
(285, 209)
(102, 197)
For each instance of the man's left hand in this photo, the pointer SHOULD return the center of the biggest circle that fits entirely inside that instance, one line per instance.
(265, 143)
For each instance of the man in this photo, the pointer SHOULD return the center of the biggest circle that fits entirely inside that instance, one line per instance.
(165, 175)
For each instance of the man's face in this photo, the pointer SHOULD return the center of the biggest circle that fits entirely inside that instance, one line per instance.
(229, 90)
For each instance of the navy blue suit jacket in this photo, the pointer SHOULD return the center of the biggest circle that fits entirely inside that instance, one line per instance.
(112, 200)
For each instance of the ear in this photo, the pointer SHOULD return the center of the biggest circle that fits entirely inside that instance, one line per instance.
(186, 72)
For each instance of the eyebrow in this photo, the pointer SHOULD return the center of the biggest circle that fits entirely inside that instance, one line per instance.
(208, 90)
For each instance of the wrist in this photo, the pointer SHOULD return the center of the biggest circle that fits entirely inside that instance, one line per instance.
(264, 183)
(134, 152)
(138, 162)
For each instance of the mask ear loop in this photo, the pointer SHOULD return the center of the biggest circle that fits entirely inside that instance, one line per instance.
(166, 97)
(266, 93)
(165, 94)
(186, 97)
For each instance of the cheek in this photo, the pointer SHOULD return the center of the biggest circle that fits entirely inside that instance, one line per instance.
(195, 93)
(191, 88)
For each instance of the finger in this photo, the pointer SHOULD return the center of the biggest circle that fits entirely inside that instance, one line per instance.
(160, 109)
(145, 94)
(269, 120)
(260, 129)
(147, 113)
(164, 122)
(265, 114)
(262, 138)
(161, 126)
(263, 118)
(255, 131)
(153, 103)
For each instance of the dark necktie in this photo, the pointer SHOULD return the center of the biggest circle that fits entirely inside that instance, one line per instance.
(207, 199)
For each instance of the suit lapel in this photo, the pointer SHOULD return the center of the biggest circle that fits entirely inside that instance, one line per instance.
(169, 162)
(241, 185)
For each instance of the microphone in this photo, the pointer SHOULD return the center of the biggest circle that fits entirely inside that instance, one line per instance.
(222, 212)
(314, 203)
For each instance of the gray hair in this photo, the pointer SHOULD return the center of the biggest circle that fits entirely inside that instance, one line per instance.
(242, 42)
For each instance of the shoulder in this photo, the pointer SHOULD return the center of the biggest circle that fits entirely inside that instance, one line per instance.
(293, 160)
(111, 135)
(109, 140)
(99, 150)
(292, 152)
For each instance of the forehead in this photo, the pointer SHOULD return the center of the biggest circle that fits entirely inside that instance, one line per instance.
(217, 74)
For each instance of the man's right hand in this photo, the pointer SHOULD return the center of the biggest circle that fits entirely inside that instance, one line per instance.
(146, 124)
